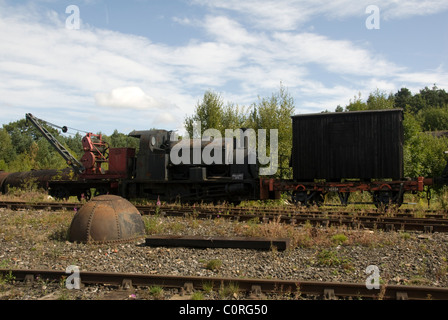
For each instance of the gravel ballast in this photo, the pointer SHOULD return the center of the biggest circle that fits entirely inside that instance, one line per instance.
(38, 240)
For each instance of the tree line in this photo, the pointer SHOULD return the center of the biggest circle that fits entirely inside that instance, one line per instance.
(23, 148)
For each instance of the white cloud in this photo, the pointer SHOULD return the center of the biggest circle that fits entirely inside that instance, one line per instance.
(274, 15)
(166, 118)
(337, 56)
(287, 15)
(229, 31)
(127, 97)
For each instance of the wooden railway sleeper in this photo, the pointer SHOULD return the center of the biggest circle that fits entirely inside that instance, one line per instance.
(29, 279)
(188, 287)
(329, 294)
(126, 284)
(255, 291)
(402, 296)
(428, 229)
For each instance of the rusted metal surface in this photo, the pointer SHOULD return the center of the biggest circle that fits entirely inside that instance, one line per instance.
(95, 153)
(217, 242)
(105, 219)
(38, 178)
(309, 193)
(316, 288)
(418, 184)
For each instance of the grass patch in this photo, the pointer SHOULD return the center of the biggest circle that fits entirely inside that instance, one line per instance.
(339, 238)
(229, 291)
(213, 265)
(329, 258)
(153, 225)
(156, 292)
(197, 296)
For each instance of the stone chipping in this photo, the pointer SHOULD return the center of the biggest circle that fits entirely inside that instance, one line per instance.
(38, 240)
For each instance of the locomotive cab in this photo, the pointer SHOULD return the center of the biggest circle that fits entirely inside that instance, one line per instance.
(153, 156)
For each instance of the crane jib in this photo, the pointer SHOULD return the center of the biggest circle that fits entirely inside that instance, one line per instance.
(68, 157)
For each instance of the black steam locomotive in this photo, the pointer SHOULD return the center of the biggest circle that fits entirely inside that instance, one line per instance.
(157, 176)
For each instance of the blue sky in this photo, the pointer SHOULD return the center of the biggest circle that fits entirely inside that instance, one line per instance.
(146, 63)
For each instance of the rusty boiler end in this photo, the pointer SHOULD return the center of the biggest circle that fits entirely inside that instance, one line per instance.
(106, 219)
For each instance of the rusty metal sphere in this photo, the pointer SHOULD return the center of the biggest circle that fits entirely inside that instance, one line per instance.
(106, 219)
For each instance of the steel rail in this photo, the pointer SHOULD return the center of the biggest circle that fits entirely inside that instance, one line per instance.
(327, 290)
(231, 210)
(434, 223)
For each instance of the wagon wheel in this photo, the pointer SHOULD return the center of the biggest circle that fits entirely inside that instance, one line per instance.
(299, 198)
(317, 198)
(307, 198)
(386, 199)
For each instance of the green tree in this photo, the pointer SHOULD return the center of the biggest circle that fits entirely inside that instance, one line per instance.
(423, 152)
(213, 114)
(435, 118)
(424, 155)
(411, 127)
(434, 97)
(74, 145)
(275, 113)
(429, 98)
(234, 117)
(402, 99)
(7, 152)
(209, 112)
(356, 104)
(379, 101)
(47, 157)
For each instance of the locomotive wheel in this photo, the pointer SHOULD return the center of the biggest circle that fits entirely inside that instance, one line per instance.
(100, 191)
(87, 195)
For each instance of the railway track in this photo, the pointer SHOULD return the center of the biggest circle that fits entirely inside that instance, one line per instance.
(374, 220)
(230, 210)
(254, 288)
(403, 220)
